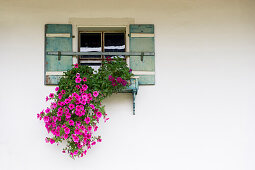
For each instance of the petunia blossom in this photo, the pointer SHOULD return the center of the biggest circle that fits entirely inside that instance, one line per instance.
(124, 82)
(71, 106)
(87, 120)
(95, 93)
(47, 110)
(84, 79)
(71, 122)
(52, 141)
(67, 130)
(119, 79)
(75, 138)
(51, 95)
(99, 114)
(46, 119)
(78, 80)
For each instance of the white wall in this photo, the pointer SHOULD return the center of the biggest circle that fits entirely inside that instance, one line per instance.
(199, 115)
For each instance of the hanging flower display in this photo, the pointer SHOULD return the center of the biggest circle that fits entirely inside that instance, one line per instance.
(76, 105)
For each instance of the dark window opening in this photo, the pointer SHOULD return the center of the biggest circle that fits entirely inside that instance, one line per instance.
(100, 42)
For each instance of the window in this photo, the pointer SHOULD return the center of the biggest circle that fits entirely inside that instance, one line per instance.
(100, 41)
(60, 54)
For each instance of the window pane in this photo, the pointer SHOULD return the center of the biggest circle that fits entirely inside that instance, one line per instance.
(114, 42)
(90, 42)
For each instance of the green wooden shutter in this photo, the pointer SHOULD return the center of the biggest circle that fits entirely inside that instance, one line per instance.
(141, 39)
(58, 37)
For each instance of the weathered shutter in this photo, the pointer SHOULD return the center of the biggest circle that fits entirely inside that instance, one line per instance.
(141, 39)
(58, 37)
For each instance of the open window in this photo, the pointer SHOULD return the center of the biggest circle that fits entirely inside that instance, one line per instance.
(100, 41)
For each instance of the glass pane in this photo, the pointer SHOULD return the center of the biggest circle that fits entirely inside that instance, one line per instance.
(114, 42)
(90, 42)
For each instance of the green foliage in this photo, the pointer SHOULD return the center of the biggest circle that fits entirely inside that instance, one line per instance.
(86, 95)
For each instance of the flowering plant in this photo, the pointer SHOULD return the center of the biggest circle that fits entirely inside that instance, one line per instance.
(76, 106)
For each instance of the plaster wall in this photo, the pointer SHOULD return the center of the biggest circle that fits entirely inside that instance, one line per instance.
(199, 115)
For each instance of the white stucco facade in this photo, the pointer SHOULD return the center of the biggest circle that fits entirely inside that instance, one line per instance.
(199, 115)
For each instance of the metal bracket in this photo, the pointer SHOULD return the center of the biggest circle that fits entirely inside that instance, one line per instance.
(134, 95)
(59, 55)
(142, 54)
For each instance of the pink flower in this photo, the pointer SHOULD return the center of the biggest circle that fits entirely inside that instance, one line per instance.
(59, 113)
(57, 88)
(95, 93)
(78, 123)
(46, 140)
(77, 131)
(71, 106)
(53, 105)
(47, 110)
(68, 115)
(77, 112)
(89, 128)
(78, 80)
(77, 74)
(124, 82)
(71, 122)
(67, 130)
(54, 118)
(52, 141)
(83, 102)
(78, 107)
(77, 86)
(88, 135)
(95, 128)
(92, 106)
(67, 101)
(93, 143)
(99, 114)
(46, 98)
(111, 78)
(76, 65)
(82, 112)
(75, 138)
(63, 92)
(87, 120)
(84, 79)
(99, 140)
(51, 95)
(130, 70)
(108, 58)
(65, 136)
(114, 84)
(60, 109)
(119, 79)
(75, 152)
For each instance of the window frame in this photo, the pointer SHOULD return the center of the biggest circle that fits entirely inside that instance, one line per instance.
(102, 43)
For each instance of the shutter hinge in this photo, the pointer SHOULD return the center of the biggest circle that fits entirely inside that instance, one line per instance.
(59, 55)
(142, 54)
